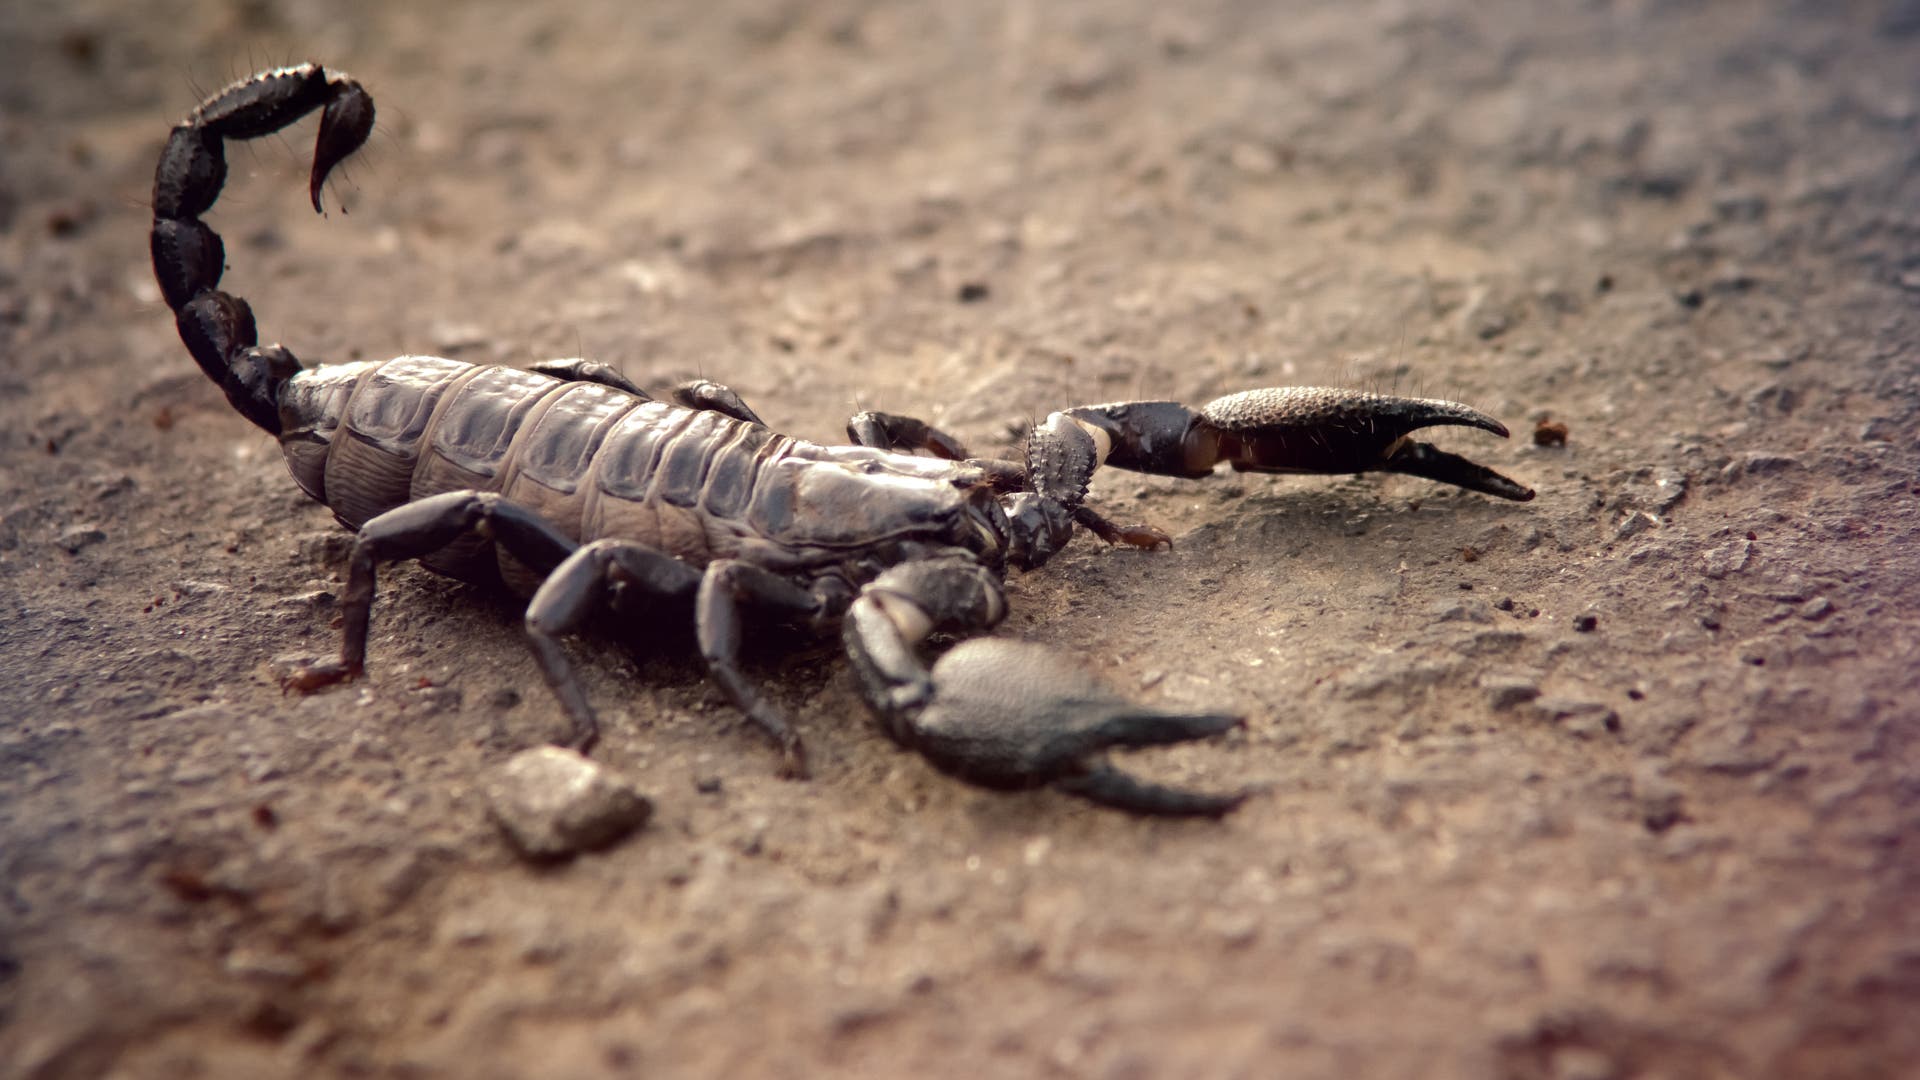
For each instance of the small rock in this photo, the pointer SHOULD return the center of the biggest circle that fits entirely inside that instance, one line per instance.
(1581, 719)
(1506, 691)
(554, 803)
(1879, 429)
(110, 485)
(1660, 806)
(1586, 623)
(451, 337)
(1728, 559)
(1816, 609)
(1740, 206)
(1582, 1063)
(1759, 463)
(80, 536)
(1446, 611)
(1633, 524)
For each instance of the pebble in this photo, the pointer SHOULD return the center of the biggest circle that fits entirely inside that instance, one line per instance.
(1816, 609)
(1506, 691)
(1579, 718)
(80, 536)
(1729, 558)
(553, 803)
(1759, 463)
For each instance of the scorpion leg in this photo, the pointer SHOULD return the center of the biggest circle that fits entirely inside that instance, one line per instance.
(417, 529)
(713, 397)
(575, 369)
(890, 431)
(728, 588)
(619, 572)
(1006, 714)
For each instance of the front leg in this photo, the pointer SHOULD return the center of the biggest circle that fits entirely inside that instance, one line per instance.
(1006, 714)
(728, 591)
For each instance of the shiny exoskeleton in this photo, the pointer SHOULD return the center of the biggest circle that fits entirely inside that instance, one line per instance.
(570, 485)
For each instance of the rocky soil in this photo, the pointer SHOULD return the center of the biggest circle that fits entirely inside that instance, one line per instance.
(1624, 782)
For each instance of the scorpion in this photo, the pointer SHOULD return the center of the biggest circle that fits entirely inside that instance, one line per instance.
(570, 486)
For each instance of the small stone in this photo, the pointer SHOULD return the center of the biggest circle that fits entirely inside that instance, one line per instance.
(1447, 611)
(1506, 691)
(554, 803)
(451, 337)
(1582, 1063)
(1635, 523)
(1740, 206)
(1759, 463)
(1581, 719)
(973, 292)
(1879, 429)
(1816, 609)
(1728, 559)
(1660, 806)
(1586, 623)
(80, 536)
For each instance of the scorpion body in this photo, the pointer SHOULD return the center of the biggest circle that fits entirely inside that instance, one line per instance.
(596, 461)
(573, 487)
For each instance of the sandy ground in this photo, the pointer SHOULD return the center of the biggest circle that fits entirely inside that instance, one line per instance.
(1680, 843)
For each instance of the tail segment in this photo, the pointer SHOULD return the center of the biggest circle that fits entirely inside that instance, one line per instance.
(188, 257)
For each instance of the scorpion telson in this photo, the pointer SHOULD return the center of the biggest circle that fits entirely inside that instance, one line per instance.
(570, 485)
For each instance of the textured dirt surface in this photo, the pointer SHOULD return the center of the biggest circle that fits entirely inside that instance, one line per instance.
(1679, 842)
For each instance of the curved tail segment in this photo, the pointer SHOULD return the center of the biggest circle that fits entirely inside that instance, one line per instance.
(188, 257)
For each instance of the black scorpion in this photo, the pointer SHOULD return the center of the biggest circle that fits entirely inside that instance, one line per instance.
(569, 484)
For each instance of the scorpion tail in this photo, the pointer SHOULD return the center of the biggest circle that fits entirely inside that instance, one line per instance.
(188, 257)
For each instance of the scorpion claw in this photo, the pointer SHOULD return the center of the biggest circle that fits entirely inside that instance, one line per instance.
(1013, 715)
(1315, 429)
(1111, 787)
(1295, 429)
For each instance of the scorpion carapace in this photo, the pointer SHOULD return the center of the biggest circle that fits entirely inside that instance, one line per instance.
(571, 486)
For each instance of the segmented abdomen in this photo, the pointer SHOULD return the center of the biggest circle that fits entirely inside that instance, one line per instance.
(592, 460)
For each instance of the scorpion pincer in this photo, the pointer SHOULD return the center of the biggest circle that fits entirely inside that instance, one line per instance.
(570, 485)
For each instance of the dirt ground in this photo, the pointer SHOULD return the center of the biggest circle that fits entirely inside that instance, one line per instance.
(1624, 782)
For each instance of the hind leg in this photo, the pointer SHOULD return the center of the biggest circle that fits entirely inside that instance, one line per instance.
(416, 530)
